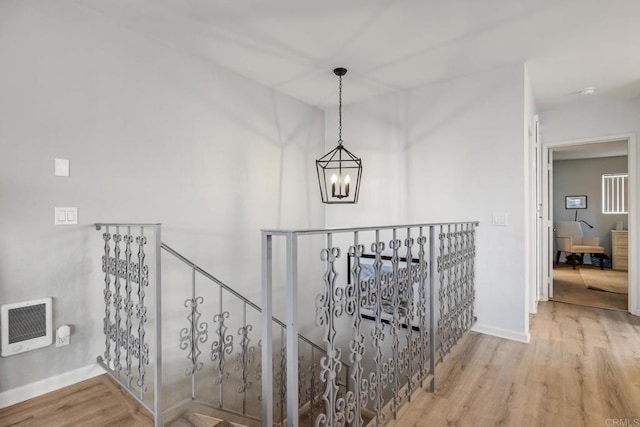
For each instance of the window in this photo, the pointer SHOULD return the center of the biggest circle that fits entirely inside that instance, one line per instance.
(615, 193)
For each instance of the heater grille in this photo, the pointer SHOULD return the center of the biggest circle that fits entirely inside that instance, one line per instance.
(26, 323)
(25, 326)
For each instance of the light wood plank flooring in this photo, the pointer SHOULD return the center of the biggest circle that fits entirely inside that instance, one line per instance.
(95, 402)
(581, 368)
(569, 287)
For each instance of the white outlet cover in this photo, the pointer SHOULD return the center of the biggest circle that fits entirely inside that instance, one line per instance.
(62, 335)
(61, 167)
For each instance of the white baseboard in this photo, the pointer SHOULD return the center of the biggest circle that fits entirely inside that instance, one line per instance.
(502, 333)
(28, 391)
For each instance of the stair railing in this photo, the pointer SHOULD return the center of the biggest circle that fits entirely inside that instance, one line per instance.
(131, 264)
(386, 299)
(247, 365)
(133, 331)
(403, 293)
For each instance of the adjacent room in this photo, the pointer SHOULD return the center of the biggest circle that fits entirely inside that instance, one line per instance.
(591, 209)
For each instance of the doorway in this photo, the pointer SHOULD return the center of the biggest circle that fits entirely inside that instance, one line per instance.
(587, 278)
(582, 220)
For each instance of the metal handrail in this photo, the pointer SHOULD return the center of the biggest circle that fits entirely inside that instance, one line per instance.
(234, 292)
(368, 228)
(99, 225)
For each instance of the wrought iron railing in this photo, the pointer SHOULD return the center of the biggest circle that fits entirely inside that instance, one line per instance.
(213, 314)
(392, 300)
(129, 268)
(235, 353)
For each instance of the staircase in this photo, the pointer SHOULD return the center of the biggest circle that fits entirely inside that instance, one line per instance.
(191, 349)
(195, 419)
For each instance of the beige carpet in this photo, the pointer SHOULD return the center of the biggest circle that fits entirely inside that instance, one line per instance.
(606, 280)
(569, 286)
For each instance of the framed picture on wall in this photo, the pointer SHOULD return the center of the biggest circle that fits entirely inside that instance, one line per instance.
(575, 202)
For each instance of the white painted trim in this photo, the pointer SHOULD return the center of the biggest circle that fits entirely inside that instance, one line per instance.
(531, 215)
(508, 334)
(29, 391)
(538, 242)
(546, 266)
(528, 268)
(633, 225)
(632, 160)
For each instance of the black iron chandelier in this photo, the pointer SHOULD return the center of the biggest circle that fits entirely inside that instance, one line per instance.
(339, 171)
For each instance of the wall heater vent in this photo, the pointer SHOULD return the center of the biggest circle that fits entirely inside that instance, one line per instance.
(25, 326)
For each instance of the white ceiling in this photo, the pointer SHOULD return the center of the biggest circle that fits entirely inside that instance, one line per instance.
(292, 45)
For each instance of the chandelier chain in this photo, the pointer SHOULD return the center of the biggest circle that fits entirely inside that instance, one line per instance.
(340, 113)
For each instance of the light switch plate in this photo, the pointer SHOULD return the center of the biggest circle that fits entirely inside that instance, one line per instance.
(61, 167)
(500, 219)
(65, 216)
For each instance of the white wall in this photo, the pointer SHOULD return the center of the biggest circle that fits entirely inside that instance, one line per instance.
(156, 136)
(590, 120)
(595, 119)
(152, 136)
(452, 151)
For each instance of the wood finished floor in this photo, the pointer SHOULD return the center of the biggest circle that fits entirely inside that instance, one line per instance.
(96, 402)
(582, 368)
(569, 287)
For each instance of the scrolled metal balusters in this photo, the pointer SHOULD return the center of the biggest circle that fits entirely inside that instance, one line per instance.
(412, 343)
(397, 288)
(354, 302)
(378, 379)
(421, 311)
(245, 358)
(196, 333)
(121, 338)
(222, 346)
(456, 294)
(116, 330)
(141, 313)
(107, 297)
(128, 308)
(443, 297)
(329, 306)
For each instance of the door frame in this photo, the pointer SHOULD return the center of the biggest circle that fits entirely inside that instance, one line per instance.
(547, 224)
(547, 273)
(534, 212)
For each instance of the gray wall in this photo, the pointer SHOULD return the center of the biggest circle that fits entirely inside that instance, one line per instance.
(156, 136)
(584, 177)
(152, 136)
(441, 153)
